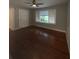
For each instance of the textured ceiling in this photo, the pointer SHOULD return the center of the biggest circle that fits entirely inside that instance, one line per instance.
(47, 3)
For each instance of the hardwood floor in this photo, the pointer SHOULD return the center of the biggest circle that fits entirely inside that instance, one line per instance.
(38, 43)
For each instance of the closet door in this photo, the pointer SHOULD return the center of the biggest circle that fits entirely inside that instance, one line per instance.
(23, 18)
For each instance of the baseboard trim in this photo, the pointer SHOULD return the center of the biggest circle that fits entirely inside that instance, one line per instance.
(41, 27)
(20, 28)
(51, 29)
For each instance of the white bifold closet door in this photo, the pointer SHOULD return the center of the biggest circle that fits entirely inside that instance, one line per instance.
(23, 18)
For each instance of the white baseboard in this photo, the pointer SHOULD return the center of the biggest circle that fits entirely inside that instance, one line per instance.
(19, 28)
(52, 29)
(41, 27)
(16, 29)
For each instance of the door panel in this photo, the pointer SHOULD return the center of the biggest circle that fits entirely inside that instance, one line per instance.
(23, 18)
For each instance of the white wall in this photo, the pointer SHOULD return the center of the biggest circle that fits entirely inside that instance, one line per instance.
(68, 27)
(11, 18)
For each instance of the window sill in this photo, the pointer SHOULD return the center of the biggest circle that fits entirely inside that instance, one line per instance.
(47, 23)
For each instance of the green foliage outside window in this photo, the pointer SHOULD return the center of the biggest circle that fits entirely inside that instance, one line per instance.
(44, 19)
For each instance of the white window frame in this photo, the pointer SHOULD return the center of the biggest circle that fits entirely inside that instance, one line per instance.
(51, 15)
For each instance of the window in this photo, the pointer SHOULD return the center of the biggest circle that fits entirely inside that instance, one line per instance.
(46, 16)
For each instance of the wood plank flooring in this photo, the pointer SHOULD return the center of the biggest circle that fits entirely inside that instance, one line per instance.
(38, 43)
